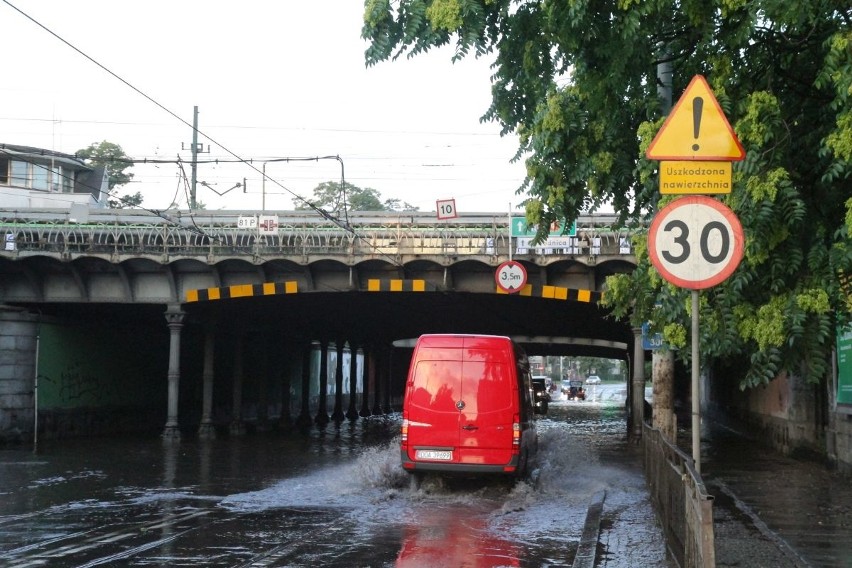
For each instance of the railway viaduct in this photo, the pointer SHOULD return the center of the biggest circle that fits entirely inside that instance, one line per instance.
(234, 320)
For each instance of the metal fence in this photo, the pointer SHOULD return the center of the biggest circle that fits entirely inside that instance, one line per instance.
(684, 507)
(296, 234)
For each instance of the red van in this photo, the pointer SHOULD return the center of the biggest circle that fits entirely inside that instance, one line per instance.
(468, 406)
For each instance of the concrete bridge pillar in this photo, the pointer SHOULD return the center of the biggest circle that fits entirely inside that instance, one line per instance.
(18, 365)
(337, 415)
(322, 412)
(174, 319)
(206, 429)
(352, 413)
(286, 367)
(637, 396)
(388, 380)
(262, 373)
(304, 418)
(378, 377)
(237, 427)
(369, 373)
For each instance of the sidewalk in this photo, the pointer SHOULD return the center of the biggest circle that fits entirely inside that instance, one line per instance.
(774, 511)
(742, 538)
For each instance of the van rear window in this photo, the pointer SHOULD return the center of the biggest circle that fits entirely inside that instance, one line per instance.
(487, 386)
(437, 385)
(484, 386)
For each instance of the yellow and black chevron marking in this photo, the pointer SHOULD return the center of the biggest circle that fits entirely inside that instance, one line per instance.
(377, 285)
(558, 293)
(242, 291)
(398, 285)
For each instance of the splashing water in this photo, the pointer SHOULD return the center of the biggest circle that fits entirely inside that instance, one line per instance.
(374, 487)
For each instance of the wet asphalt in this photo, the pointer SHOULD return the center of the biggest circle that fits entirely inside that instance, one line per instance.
(769, 510)
(327, 498)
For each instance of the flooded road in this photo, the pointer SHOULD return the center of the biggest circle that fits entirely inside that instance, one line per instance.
(336, 497)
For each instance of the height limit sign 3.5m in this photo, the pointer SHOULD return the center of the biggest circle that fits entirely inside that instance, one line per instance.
(695, 242)
(511, 277)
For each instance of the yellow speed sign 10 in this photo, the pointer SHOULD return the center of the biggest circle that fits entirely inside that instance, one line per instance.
(695, 242)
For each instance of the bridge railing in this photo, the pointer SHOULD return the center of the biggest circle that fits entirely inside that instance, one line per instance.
(218, 234)
(684, 506)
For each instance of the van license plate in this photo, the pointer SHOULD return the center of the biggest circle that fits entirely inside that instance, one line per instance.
(434, 455)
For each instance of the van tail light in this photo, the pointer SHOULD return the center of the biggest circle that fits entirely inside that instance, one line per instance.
(404, 432)
(516, 431)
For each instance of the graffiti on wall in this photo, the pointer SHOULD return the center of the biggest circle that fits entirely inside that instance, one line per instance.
(76, 384)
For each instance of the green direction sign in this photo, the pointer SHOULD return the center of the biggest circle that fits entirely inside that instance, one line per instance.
(844, 365)
(521, 229)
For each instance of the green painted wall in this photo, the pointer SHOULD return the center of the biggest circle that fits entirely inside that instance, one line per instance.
(93, 366)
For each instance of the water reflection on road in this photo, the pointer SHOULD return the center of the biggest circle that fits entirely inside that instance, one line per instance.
(330, 498)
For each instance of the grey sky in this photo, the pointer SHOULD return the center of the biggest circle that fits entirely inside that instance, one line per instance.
(271, 80)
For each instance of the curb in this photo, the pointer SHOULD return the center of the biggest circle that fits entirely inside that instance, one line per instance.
(587, 549)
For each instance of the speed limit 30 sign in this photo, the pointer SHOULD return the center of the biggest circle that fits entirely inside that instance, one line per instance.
(695, 242)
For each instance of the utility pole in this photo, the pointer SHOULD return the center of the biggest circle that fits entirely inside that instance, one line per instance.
(664, 78)
(195, 150)
(194, 158)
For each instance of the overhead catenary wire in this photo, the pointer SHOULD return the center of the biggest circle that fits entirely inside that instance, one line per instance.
(453, 171)
(401, 132)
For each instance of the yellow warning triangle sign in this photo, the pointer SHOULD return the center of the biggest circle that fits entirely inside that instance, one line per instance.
(696, 129)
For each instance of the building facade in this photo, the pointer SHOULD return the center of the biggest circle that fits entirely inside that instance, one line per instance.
(38, 178)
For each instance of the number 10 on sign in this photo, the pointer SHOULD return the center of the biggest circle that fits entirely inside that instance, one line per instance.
(447, 209)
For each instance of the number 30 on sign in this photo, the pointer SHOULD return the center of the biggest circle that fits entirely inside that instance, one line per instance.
(695, 242)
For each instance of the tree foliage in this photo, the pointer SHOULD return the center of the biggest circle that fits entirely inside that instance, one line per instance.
(577, 81)
(126, 201)
(335, 198)
(111, 157)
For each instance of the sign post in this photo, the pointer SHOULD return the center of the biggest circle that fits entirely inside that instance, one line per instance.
(696, 242)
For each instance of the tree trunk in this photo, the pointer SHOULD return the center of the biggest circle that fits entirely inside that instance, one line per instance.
(663, 383)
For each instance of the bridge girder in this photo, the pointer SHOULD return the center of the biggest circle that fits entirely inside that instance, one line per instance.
(331, 287)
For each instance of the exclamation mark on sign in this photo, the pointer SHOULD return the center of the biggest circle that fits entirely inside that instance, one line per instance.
(697, 107)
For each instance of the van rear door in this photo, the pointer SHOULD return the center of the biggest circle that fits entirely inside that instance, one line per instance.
(436, 386)
(488, 389)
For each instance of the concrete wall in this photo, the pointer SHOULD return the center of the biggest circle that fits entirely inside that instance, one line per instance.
(839, 438)
(785, 410)
(787, 413)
